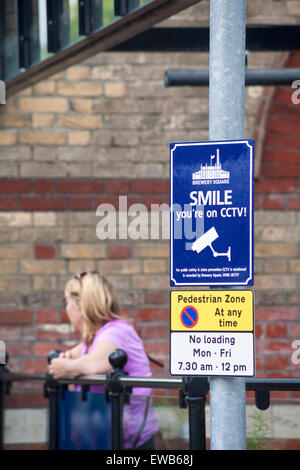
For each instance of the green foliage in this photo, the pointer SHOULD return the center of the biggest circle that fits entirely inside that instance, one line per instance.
(260, 428)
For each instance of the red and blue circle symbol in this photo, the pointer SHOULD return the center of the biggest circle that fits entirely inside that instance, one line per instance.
(189, 317)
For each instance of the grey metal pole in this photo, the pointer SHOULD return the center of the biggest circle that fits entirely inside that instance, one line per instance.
(253, 77)
(226, 122)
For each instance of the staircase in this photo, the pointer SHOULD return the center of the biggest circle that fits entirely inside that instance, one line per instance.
(41, 37)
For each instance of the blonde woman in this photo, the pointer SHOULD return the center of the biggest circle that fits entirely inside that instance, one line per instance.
(93, 310)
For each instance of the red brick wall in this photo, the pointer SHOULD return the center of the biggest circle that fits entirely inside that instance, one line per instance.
(100, 130)
(37, 267)
(277, 249)
(142, 267)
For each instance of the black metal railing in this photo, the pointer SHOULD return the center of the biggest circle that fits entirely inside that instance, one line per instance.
(30, 31)
(192, 393)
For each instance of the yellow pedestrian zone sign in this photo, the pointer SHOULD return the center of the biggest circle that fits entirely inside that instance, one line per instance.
(212, 332)
(207, 310)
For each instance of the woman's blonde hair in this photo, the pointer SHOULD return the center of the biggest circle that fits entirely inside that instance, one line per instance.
(96, 298)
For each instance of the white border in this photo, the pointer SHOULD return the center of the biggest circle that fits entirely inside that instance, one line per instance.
(187, 144)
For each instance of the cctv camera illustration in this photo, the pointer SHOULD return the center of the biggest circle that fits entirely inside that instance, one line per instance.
(206, 240)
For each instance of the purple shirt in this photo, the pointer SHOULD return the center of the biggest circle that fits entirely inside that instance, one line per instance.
(123, 335)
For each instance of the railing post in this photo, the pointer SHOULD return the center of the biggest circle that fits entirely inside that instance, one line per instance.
(51, 391)
(4, 390)
(194, 390)
(117, 395)
(2, 393)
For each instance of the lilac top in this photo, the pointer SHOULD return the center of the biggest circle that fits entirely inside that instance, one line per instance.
(123, 335)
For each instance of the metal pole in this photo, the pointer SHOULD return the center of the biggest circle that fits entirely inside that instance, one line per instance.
(226, 122)
(116, 420)
(194, 391)
(118, 359)
(2, 389)
(51, 391)
(253, 77)
(197, 432)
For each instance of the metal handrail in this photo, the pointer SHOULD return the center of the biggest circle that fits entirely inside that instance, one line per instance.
(191, 395)
(279, 384)
(259, 383)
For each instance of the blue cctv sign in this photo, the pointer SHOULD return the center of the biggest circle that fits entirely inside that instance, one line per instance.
(211, 198)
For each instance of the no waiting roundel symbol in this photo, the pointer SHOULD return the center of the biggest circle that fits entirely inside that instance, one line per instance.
(189, 316)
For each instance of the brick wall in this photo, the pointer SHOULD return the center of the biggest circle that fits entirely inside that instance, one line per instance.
(277, 235)
(101, 130)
